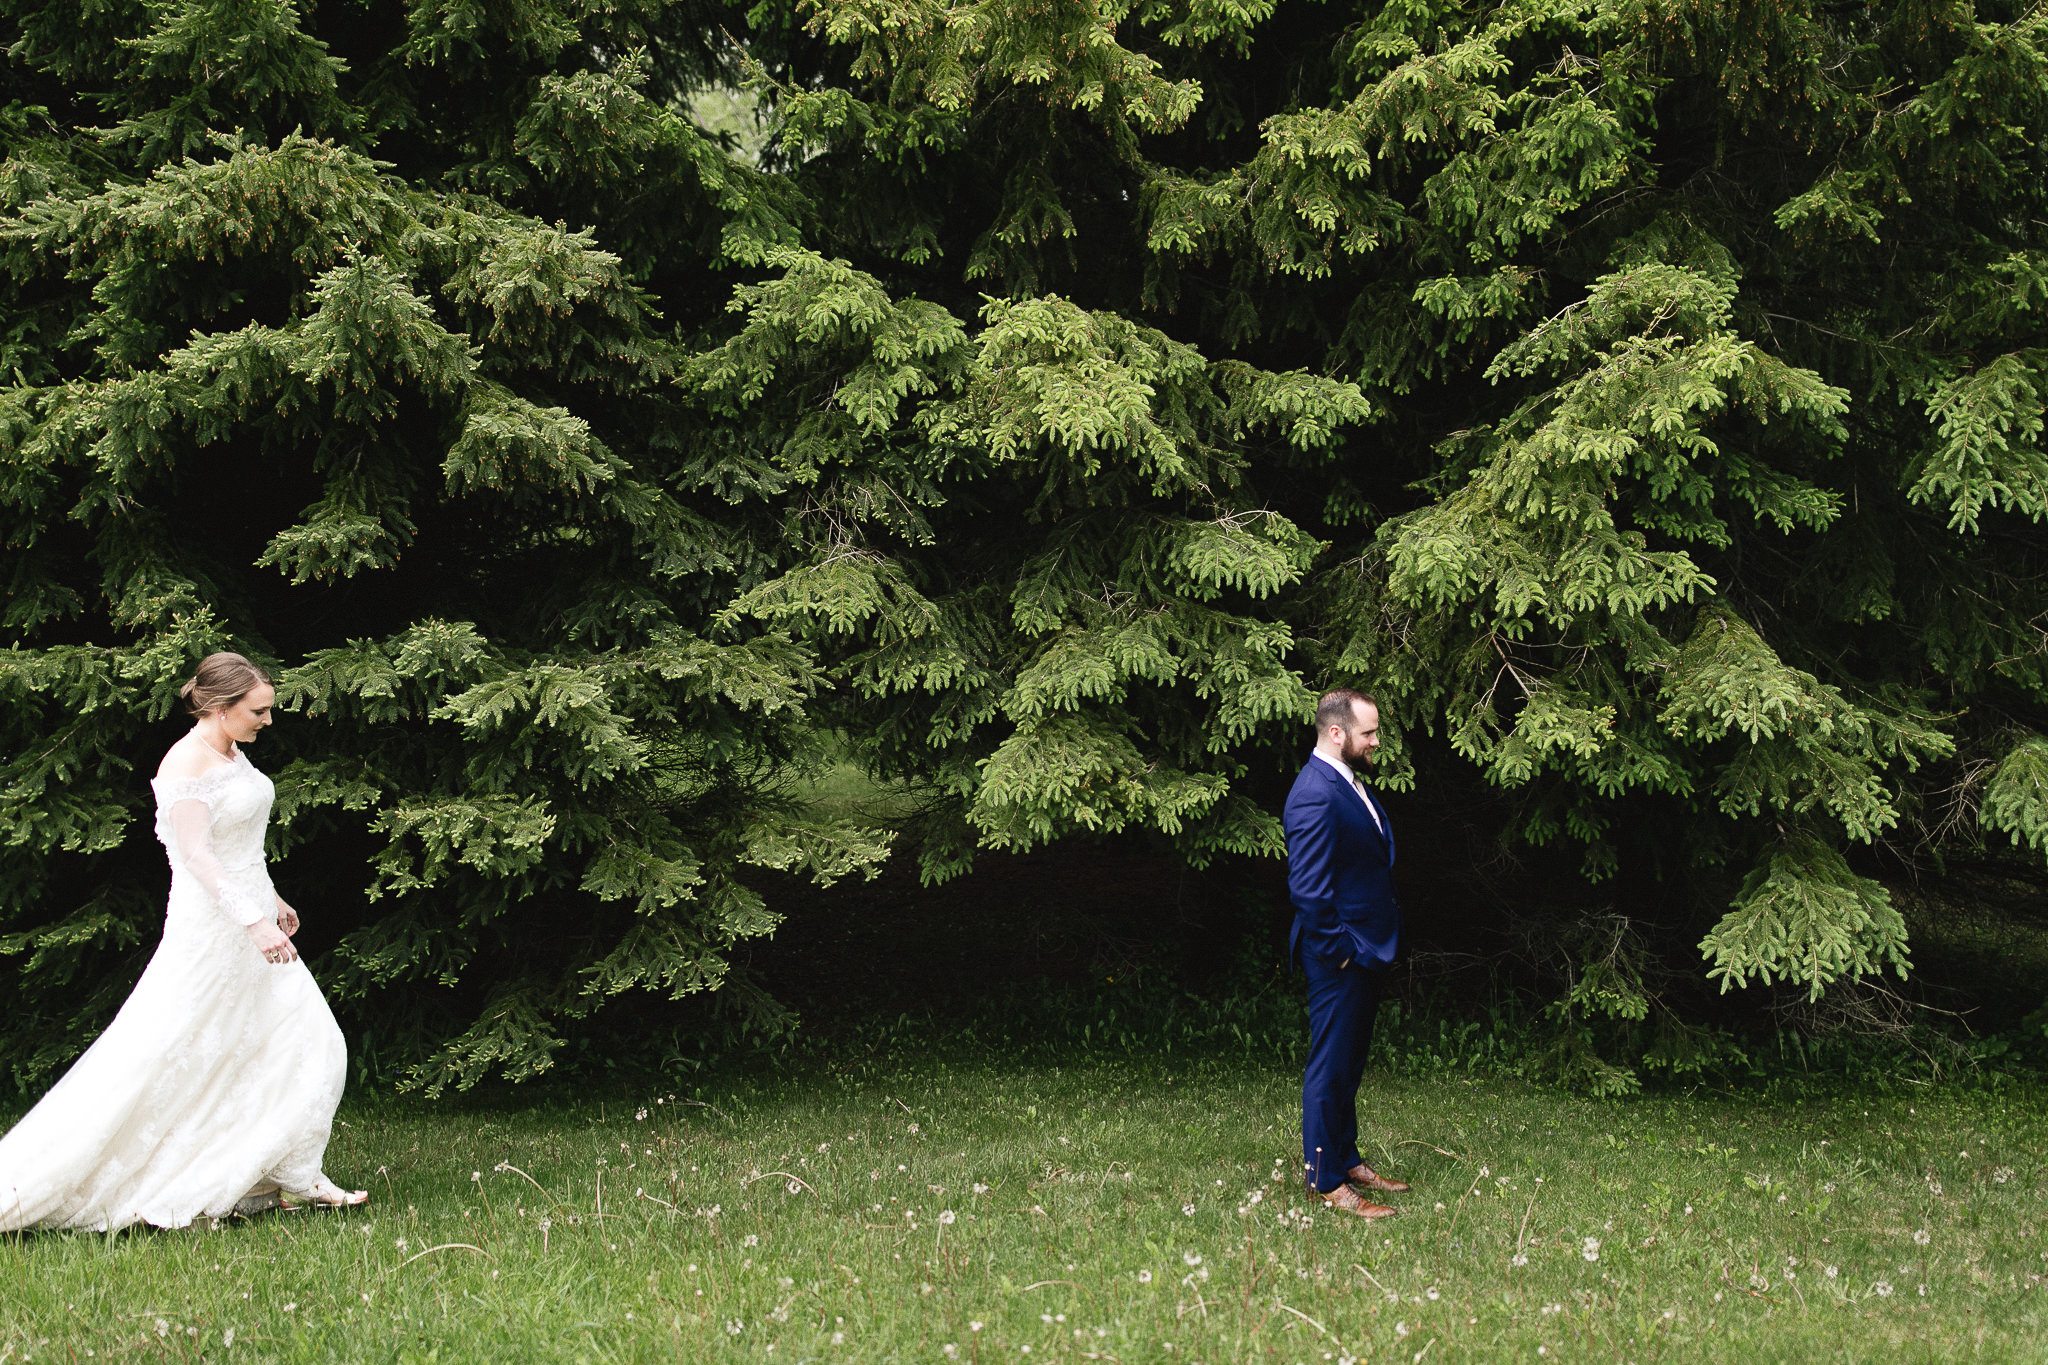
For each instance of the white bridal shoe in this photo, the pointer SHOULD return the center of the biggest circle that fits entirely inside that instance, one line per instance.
(324, 1194)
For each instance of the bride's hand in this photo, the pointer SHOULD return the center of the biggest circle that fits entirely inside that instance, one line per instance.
(272, 942)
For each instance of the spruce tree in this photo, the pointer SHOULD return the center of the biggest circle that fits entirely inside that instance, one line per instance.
(305, 361)
(1665, 403)
(1643, 398)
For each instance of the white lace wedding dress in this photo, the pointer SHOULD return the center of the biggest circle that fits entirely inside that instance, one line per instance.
(220, 1074)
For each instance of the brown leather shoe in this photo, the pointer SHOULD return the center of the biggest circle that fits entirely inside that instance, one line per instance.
(1351, 1201)
(1367, 1179)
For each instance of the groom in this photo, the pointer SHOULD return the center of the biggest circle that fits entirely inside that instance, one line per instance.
(1347, 926)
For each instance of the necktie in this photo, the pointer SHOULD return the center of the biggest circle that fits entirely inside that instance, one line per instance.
(1370, 808)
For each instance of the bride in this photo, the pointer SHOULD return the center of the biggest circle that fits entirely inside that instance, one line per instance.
(214, 1088)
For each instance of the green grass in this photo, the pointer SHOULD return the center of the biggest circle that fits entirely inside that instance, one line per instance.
(810, 1224)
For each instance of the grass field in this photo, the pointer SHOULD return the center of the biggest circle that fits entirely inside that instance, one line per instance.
(1101, 1213)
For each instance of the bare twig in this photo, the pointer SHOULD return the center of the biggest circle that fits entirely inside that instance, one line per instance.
(792, 1179)
(1523, 1231)
(1417, 1142)
(712, 1107)
(1309, 1320)
(508, 1166)
(445, 1246)
(1375, 1280)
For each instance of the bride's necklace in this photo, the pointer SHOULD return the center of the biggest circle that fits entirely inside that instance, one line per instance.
(228, 756)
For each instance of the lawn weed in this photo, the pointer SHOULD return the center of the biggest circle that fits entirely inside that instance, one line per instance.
(1113, 1212)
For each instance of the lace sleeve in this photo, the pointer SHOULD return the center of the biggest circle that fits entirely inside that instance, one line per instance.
(191, 821)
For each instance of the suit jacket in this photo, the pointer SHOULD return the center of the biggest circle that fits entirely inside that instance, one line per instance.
(1340, 872)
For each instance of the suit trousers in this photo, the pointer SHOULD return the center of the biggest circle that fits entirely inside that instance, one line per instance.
(1341, 1004)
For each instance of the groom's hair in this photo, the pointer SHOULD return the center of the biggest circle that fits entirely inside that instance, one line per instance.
(221, 680)
(1340, 707)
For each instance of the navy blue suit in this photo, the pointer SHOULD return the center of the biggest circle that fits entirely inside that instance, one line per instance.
(1347, 928)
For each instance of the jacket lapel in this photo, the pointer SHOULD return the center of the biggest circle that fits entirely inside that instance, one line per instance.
(1381, 829)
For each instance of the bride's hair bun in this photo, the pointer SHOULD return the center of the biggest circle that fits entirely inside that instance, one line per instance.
(222, 680)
